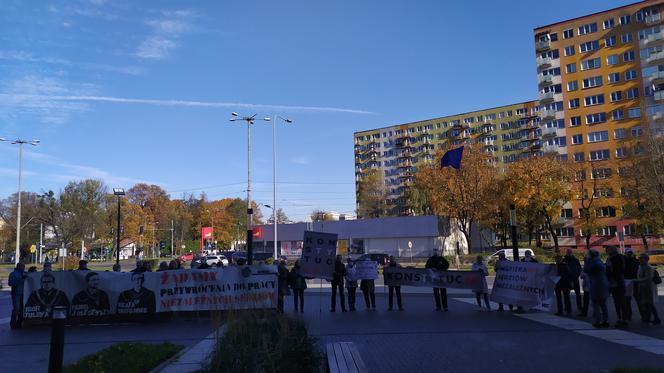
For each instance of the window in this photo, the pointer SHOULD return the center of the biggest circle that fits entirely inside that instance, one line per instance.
(634, 112)
(574, 121)
(553, 36)
(632, 93)
(619, 133)
(626, 38)
(574, 103)
(614, 78)
(616, 96)
(570, 68)
(589, 46)
(610, 41)
(593, 63)
(630, 230)
(601, 173)
(569, 50)
(603, 192)
(591, 82)
(593, 100)
(588, 29)
(579, 157)
(612, 60)
(628, 56)
(606, 211)
(608, 231)
(630, 75)
(572, 86)
(600, 155)
(598, 136)
(621, 152)
(618, 114)
(596, 118)
(637, 131)
(609, 23)
(624, 20)
(577, 139)
(568, 34)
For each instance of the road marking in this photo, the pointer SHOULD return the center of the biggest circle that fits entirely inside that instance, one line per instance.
(625, 338)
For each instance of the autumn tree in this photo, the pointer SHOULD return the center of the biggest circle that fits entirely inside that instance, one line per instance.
(320, 215)
(371, 195)
(462, 195)
(586, 192)
(281, 217)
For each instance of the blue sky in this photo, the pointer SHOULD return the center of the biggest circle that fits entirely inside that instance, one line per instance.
(141, 91)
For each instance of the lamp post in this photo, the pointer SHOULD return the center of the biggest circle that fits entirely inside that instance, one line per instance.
(515, 241)
(20, 143)
(119, 192)
(274, 174)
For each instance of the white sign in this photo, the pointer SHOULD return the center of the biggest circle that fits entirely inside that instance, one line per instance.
(318, 255)
(529, 285)
(362, 270)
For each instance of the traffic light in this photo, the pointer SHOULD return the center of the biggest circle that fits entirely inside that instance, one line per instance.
(162, 245)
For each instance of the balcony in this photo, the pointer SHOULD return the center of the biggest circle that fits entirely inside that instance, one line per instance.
(543, 45)
(657, 117)
(658, 95)
(546, 96)
(547, 114)
(543, 62)
(550, 148)
(657, 76)
(548, 131)
(653, 19)
(653, 38)
(545, 80)
(655, 57)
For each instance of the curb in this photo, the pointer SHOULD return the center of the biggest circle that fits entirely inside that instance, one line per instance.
(175, 359)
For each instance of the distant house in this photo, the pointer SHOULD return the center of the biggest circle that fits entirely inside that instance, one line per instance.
(127, 248)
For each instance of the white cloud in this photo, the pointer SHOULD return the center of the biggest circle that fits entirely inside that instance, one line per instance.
(210, 104)
(303, 160)
(165, 31)
(22, 56)
(155, 48)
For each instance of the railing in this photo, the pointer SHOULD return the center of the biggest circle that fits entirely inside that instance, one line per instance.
(543, 44)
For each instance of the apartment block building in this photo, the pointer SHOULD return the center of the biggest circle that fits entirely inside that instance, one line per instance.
(600, 97)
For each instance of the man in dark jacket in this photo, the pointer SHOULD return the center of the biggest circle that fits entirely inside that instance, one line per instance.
(615, 272)
(282, 281)
(563, 287)
(438, 263)
(574, 272)
(631, 269)
(394, 289)
(17, 282)
(338, 283)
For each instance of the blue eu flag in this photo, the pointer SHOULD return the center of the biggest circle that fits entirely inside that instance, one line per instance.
(452, 158)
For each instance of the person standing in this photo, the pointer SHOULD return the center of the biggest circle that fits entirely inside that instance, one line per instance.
(82, 265)
(394, 289)
(298, 283)
(615, 272)
(351, 284)
(282, 283)
(368, 288)
(528, 257)
(338, 284)
(481, 267)
(574, 272)
(599, 289)
(563, 287)
(501, 258)
(16, 281)
(436, 263)
(647, 290)
(631, 272)
(586, 288)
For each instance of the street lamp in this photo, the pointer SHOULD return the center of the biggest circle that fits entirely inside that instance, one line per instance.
(20, 143)
(119, 192)
(274, 174)
(250, 233)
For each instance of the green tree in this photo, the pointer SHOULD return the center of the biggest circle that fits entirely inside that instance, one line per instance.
(371, 195)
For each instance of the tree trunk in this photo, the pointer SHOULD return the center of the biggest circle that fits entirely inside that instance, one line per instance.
(645, 241)
(587, 240)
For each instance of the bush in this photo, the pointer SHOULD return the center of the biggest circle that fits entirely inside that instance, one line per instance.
(126, 358)
(71, 262)
(256, 341)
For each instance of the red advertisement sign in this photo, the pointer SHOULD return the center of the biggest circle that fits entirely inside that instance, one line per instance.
(258, 233)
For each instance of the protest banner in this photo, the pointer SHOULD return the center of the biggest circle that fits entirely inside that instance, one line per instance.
(529, 285)
(103, 296)
(362, 270)
(318, 255)
(397, 276)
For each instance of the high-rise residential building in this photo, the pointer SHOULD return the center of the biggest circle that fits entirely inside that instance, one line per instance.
(602, 77)
(509, 133)
(601, 96)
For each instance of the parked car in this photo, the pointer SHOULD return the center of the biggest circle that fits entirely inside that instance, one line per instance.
(235, 255)
(509, 254)
(214, 259)
(187, 257)
(262, 256)
(380, 258)
(656, 256)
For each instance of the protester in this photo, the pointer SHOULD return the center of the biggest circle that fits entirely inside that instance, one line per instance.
(32, 269)
(16, 281)
(647, 291)
(338, 285)
(139, 266)
(173, 264)
(501, 258)
(615, 272)
(47, 267)
(282, 282)
(368, 288)
(586, 288)
(351, 284)
(599, 289)
(82, 265)
(529, 258)
(563, 286)
(298, 283)
(393, 289)
(163, 266)
(117, 268)
(574, 272)
(631, 272)
(147, 266)
(438, 263)
(481, 267)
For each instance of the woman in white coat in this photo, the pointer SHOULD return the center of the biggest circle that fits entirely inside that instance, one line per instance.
(481, 267)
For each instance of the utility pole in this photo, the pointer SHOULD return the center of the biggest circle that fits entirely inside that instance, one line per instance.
(515, 240)
(172, 240)
(41, 241)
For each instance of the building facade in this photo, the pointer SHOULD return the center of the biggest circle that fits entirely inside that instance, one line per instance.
(600, 97)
